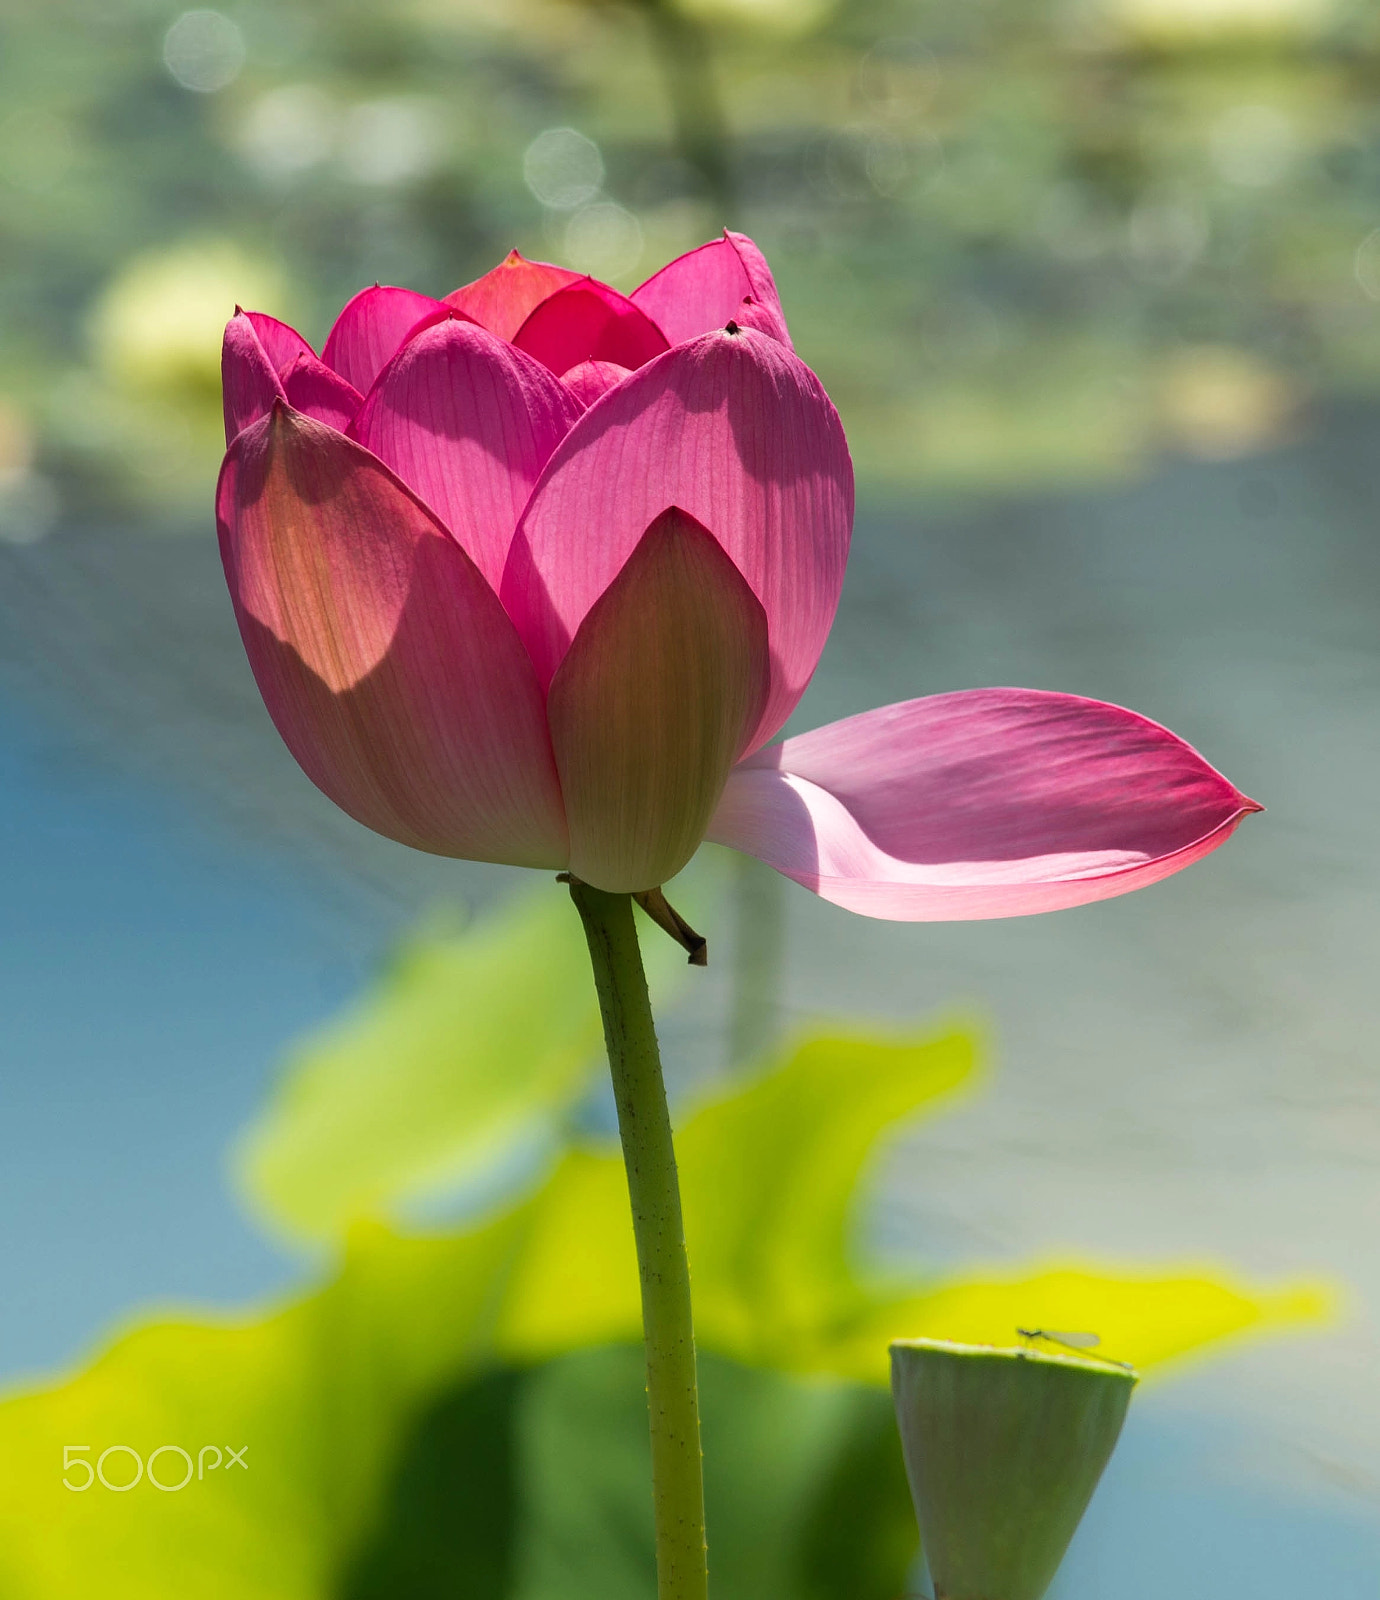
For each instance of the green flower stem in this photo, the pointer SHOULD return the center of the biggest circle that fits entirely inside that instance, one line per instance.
(644, 1124)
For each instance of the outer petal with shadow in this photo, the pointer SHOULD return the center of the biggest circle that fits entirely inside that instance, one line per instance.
(502, 299)
(467, 422)
(653, 703)
(370, 330)
(726, 280)
(985, 803)
(383, 656)
(736, 431)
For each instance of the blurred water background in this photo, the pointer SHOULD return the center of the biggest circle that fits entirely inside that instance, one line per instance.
(1096, 288)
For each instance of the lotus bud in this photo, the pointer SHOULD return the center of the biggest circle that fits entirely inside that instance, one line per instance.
(535, 573)
(1003, 1450)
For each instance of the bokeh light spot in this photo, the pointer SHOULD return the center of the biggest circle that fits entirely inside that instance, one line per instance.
(563, 169)
(204, 51)
(1254, 146)
(391, 141)
(1218, 403)
(289, 130)
(604, 240)
(157, 326)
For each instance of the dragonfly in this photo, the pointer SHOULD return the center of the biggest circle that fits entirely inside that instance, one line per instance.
(1071, 1341)
(1082, 1342)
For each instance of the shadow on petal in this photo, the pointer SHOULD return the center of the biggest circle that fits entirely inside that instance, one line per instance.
(383, 656)
(467, 422)
(738, 433)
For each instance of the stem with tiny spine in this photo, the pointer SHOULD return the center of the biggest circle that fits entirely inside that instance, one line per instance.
(644, 1125)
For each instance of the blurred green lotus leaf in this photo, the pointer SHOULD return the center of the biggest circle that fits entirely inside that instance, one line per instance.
(779, 17)
(156, 328)
(1141, 1317)
(314, 1397)
(1200, 22)
(450, 1394)
(770, 1181)
(434, 1076)
(773, 1181)
(805, 1487)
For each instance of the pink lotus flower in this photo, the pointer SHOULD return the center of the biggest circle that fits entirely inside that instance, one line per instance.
(534, 573)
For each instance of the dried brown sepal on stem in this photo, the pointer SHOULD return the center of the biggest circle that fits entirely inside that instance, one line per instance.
(667, 918)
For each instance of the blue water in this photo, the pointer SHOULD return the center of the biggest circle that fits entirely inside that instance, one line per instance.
(1180, 1515)
(149, 977)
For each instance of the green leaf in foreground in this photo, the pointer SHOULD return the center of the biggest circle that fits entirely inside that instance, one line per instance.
(467, 1045)
(774, 1180)
(337, 1396)
(444, 1065)
(800, 1503)
(317, 1397)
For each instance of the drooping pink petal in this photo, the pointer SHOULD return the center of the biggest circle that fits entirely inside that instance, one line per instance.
(591, 379)
(382, 654)
(467, 422)
(588, 321)
(371, 328)
(656, 697)
(313, 389)
(282, 344)
(984, 803)
(503, 298)
(249, 381)
(726, 280)
(738, 432)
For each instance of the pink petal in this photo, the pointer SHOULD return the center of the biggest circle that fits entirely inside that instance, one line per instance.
(281, 343)
(985, 803)
(502, 299)
(593, 378)
(467, 422)
(384, 658)
(653, 703)
(726, 280)
(249, 383)
(371, 328)
(313, 389)
(736, 431)
(588, 321)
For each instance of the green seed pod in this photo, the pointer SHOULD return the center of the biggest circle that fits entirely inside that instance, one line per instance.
(1003, 1451)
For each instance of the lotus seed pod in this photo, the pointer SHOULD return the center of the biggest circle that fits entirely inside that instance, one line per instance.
(1003, 1450)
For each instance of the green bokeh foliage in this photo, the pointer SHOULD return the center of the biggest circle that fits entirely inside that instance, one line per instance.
(463, 1412)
